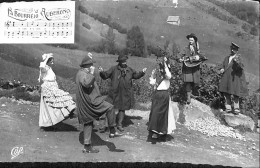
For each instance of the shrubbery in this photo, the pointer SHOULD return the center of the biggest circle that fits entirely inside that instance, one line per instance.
(19, 90)
(86, 25)
(135, 43)
(67, 46)
(246, 11)
(215, 12)
(104, 20)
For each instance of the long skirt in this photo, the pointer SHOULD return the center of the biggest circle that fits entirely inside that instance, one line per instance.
(161, 119)
(55, 104)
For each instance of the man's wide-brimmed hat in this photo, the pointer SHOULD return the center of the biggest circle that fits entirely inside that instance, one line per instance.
(87, 60)
(193, 36)
(122, 58)
(234, 46)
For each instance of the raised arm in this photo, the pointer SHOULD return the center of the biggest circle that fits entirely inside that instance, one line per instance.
(137, 75)
(106, 74)
(87, 80)
(168, 74)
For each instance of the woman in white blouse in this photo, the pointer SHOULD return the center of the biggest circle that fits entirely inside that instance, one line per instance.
(161, 119)
(56, 104)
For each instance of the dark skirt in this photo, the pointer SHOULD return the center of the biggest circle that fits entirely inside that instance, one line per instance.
(158, 119)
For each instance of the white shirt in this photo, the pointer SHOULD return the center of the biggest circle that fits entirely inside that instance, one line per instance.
(230, 58)
(47, 73)
(165, 84)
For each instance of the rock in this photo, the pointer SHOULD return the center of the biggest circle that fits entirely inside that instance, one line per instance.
(258, 130)
(197, 110)
(242, 120)
(35, 93)
(3, 105)
(258, 123)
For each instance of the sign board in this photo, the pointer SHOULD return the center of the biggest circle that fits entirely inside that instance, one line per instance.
(37, 22)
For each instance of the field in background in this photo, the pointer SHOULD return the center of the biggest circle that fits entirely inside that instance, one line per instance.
(215, 35)
(22, 61)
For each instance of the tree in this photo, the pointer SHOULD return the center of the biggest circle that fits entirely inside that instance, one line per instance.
(135, 43)
(110, 41)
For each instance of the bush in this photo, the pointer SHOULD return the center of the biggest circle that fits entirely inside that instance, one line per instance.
(135, 42)
(246, 11)
(104, 20)
(83, 9)
(254, 30)
(86, 25)
(246, 27)
(67, 46)
(142, 90)
(19, 93)
(214, 12)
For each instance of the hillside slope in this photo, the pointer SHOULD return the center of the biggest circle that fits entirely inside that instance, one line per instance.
(214, 34)
(21, 62)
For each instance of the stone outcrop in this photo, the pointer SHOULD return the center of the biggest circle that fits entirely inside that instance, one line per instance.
(239, 120)
(197, 110)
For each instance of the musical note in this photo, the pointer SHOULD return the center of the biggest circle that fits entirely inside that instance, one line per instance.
(7, 24)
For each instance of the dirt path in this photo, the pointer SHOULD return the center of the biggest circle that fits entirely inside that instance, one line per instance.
(19, 128)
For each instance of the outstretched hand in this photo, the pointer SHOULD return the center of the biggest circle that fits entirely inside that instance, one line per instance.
(100, 69)
(92, 69)
(221, 70)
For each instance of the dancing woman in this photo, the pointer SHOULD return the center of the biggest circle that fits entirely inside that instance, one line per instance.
(161, 119)
(56, 104)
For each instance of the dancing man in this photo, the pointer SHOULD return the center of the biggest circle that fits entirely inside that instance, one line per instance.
(90, 104)
(121, 92)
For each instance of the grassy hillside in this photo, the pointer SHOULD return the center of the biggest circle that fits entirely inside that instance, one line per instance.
(215, 35)
(21, 62)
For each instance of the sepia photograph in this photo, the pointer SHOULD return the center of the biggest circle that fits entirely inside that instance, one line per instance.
(174, 82)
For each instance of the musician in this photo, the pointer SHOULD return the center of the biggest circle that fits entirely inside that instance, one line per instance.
(233, 80)
(191, 58)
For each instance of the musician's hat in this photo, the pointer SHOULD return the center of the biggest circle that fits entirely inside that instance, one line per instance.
(122, 58)
(234, 46)
(193, 36)
(87, 61)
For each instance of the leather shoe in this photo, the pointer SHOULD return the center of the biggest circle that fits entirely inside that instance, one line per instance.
(154, 136)
(120, 128)
(228, 111)
(113, 135)
(90, 149)
(103, 129)
(236, 112)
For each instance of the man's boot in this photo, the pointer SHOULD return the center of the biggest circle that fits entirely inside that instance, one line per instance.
(188, 97)
(121, 115)
(88, 148)
(113, 133)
